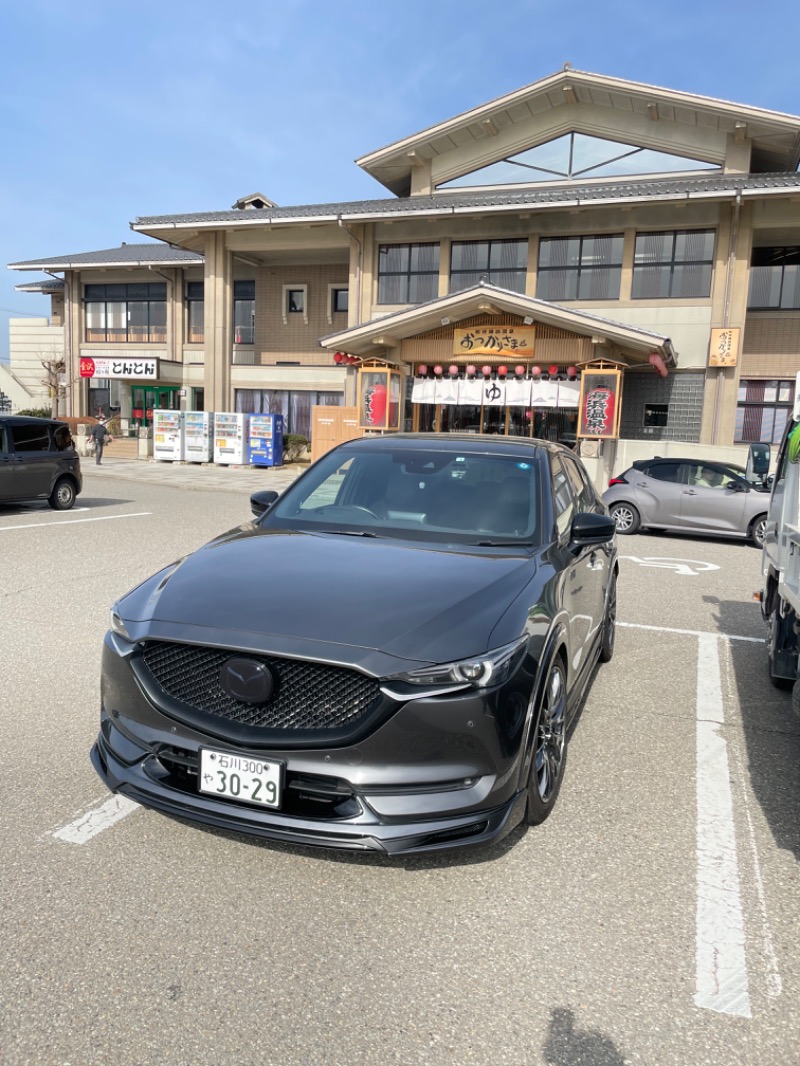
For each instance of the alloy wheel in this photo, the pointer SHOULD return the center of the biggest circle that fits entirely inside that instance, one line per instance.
(550, 734)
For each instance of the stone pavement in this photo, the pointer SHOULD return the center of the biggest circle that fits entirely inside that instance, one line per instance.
(192, 476)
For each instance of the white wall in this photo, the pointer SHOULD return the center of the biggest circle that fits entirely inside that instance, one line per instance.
(31, 340)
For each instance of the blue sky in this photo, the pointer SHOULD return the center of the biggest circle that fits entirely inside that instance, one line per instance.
(116, 109)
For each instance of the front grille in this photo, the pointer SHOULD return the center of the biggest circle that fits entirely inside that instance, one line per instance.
(305, 695)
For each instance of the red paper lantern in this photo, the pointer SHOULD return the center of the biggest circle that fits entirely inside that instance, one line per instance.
(552, 370)
(519, 370)
(536, 371)
(453, 370)
(486, 371)
(502, 371)
(572, 372)
(337, 357)
(422, 370)
(471, 371)
(437, 370)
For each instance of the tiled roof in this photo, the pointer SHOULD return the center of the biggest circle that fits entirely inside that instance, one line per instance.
(56, 285)
(673, 188)
(126, 255)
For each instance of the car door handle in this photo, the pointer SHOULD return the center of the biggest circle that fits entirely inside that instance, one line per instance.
(689, 492)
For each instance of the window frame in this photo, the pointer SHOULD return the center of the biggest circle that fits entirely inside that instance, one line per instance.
(743, 406)
(121, 297)
(287, 293)
(580, 267)
(787, 251)
(672, 263)
(487, 270)
(408, 273)
(192, 301)
(239, 305)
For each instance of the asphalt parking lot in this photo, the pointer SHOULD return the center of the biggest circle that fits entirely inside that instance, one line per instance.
(652, 919)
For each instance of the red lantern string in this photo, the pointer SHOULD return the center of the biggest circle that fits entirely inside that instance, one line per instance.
(519, 370)
(502, 371)
(422, 370)
(453, 370)
(486, 371)
(437, 370)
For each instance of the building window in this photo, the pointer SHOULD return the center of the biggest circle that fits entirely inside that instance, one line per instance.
(126, 314)
(774, 279)
(295, 405)
(195, 313)
(673, 265)
(501, 263)
(580, 268)
(244, 311)
(655, 415)
(339, 301)
(408, 273)
(295, 301)
(762, 410)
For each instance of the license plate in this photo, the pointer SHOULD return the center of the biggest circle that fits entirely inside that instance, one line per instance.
(241, 777)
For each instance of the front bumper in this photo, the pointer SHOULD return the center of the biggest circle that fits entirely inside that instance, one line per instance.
(368, 832)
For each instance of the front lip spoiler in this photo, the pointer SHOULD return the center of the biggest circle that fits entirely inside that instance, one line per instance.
(479, 828)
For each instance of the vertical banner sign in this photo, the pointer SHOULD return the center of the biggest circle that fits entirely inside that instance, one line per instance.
(599, 405)
(724, 347)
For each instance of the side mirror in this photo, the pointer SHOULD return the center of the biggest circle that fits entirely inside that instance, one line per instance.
(758, 456)
(260, 502)
(589, 529)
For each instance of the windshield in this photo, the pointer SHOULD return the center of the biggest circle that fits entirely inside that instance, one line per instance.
(420, 494)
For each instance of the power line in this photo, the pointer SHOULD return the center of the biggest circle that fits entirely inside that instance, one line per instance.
(26, 314)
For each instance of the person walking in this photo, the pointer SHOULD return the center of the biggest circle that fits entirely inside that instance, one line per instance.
(100, 435)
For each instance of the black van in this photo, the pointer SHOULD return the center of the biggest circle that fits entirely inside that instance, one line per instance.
(38, 461)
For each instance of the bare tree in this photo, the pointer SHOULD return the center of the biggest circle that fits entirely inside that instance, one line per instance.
(54, 367)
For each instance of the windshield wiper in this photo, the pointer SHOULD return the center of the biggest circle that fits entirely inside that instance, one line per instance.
(347, 532)
(505, 544)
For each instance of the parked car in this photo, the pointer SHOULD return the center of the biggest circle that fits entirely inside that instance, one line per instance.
(688, 496)
(38, 461)
(387, 659)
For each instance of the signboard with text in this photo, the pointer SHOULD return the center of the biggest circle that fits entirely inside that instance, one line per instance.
(724, 347)
(135, 369)
(599, 404)
(494, 340)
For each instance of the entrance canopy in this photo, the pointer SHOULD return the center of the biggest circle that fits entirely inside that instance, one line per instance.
(389, 337)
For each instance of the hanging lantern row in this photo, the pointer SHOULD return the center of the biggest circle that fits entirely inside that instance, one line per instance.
(549, 373)
(343, 359)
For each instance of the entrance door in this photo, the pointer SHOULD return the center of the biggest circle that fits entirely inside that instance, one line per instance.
(149, 398)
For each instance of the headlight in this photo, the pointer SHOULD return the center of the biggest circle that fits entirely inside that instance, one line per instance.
(492, 668)
(116, 625)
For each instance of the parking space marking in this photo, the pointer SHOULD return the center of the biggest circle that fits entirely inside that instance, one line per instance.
(721, 981)
(682, 567)
(73, 521)
(691, 632)
(93, 821)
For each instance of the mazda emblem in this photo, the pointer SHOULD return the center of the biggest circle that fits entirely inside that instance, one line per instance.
(246, 680)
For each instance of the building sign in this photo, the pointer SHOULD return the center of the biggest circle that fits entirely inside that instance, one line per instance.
(378, 398)
(118, 368)
(599, 405)
(724, 347)
(494, 340)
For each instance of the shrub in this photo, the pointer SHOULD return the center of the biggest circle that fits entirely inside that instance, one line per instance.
(295, 446)
(36, 412)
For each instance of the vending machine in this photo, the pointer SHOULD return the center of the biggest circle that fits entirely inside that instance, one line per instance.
(265, 440)
(230, 439)
(198, 436)
(168, 435)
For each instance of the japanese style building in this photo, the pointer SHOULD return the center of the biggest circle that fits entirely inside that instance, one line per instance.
(582, 222)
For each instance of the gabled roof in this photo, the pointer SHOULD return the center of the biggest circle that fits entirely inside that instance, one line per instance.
(127, 255)
(255, 201)
(483, 298)
(775, 136)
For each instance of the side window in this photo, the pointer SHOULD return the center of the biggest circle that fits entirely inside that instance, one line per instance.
(3, 440)
(584, 491)
(665, 471)
(32, 438)
(563, 498)
(62, 438)
(709, 477)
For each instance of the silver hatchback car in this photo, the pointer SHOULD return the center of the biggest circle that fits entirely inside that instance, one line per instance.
(688, 496)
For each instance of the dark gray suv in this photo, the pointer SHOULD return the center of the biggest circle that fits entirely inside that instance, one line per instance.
(38, 461)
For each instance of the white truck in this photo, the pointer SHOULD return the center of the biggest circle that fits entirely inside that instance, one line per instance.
(780, 594)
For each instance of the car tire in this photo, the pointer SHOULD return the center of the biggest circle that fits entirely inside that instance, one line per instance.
(549, 746)
(626, 517)
(796, 698)
(63, 495)
(609, 623)
(756, 531)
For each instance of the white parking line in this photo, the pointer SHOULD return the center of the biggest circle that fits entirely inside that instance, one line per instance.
(73, 521)
(691, 632)
(721, 961)
(95, 820)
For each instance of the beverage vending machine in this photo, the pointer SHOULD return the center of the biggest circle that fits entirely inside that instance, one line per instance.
(168, 435)
(230, 440)
(265, 440)
(198, 436)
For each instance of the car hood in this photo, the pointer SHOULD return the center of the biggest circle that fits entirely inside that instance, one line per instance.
(326, 595)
